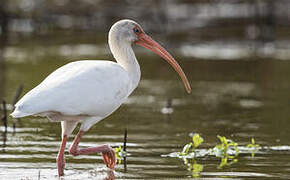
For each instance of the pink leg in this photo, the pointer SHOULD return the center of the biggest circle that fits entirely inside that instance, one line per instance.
(107, 152)
(60, 161)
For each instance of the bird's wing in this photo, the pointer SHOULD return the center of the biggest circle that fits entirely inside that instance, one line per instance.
(78, 88)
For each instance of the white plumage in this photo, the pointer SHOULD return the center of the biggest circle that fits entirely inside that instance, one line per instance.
(78, 88)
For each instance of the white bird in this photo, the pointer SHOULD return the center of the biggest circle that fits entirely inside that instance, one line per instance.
(90, 90)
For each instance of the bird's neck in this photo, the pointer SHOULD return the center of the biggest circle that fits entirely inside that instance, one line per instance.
(125, 56)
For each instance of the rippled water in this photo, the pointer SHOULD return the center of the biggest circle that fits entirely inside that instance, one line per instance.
(236, 99)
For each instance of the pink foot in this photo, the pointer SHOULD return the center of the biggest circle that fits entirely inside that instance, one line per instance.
(109, 157)
(107, 152)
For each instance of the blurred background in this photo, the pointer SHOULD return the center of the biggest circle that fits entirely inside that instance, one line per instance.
(207, 29)
(235, 54)
(211, 29)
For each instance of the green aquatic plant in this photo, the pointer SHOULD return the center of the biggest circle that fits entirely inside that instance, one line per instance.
(194, 167)
(120, 153)
(224, 150)
(185, 149)
(225, 145)
(253, 146)
(196, 141)
(224, 161)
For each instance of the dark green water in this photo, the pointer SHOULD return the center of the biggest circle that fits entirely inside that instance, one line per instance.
(237, 99)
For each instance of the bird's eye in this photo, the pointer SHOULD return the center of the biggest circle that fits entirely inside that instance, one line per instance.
(136, 30)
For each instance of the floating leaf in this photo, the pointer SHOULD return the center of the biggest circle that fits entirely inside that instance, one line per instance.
(118, 151)
(253, 141)
(197, 140)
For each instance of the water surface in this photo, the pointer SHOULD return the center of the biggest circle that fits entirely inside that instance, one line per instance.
(236, 99)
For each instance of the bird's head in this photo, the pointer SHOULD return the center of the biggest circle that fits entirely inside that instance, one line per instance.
(131, 32)
(125, 31)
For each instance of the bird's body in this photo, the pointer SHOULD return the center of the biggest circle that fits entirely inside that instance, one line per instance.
(84, 89)
(88, 91)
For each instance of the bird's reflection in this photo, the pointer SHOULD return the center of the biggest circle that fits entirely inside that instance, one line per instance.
(110, 175)
(107, 174)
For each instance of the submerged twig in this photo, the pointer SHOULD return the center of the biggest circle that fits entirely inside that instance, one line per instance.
(168, 109)
(4, 118)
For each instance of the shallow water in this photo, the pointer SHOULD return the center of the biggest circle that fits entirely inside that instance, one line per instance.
(236, 99)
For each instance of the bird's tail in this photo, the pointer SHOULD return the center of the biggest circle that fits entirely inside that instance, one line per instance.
(18, 114)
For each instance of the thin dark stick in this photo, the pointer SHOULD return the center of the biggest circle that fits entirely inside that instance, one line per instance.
(17, 94)
(125, 140)
(124, 149)
(14, 101)
(169, 103)
(125, 163)
(4, 118)
(4, 136)
(39, 175)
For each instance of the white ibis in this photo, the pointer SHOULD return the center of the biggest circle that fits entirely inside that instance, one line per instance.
(90, 90)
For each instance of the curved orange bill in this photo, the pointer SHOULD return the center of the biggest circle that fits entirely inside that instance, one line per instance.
(147, 42)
